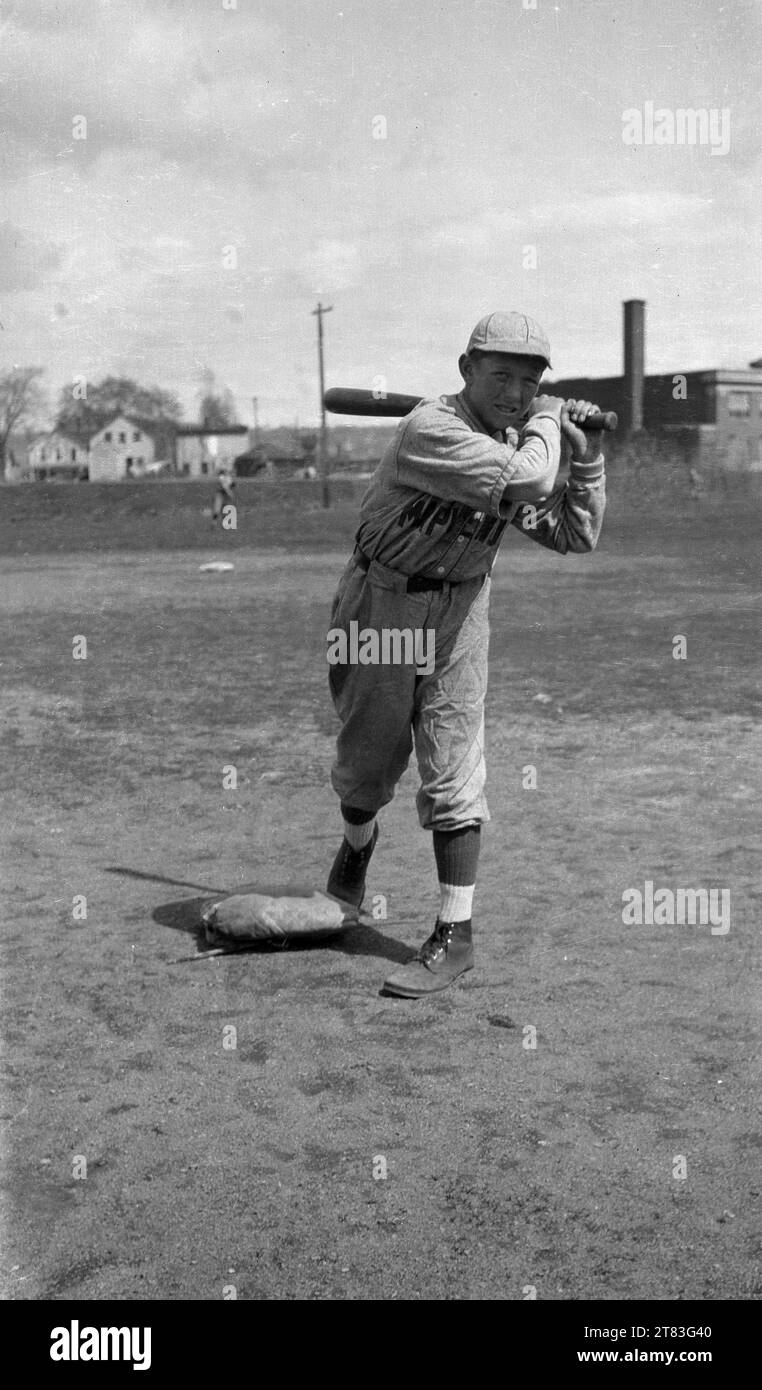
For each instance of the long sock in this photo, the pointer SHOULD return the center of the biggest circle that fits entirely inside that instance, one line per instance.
(455, 902)
(358, 825)
(457, 856)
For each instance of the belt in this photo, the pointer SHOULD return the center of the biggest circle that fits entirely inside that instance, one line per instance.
(416, 584)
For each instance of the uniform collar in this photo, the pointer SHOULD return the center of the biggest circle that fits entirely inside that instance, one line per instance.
(472, 419)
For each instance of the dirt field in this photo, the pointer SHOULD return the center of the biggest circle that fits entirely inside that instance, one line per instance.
(509, 1169)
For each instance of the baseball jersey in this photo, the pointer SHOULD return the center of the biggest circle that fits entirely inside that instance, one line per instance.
(445, 490)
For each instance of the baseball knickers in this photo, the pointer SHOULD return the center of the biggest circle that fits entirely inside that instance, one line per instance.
(387, 709)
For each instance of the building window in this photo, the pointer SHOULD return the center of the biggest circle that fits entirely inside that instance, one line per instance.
(58, 455)
(135, 436)
(42, 455)
(122, 437)
(107, 436)
(739, 403)
(140, 458)
(74, 456)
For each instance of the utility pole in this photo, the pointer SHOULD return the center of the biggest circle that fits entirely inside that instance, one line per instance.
(323, 443)
(255, 404)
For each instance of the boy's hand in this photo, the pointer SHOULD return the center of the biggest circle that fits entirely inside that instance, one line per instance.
(586, 445)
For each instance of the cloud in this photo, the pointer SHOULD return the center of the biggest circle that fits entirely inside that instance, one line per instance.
(200, 84)
(333, 264)
(209, 128)
(25, 263)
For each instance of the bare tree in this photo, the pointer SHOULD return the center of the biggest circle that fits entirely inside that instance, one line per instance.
(22, 401)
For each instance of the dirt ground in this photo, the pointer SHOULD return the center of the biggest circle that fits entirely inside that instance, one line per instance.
(511, 1172)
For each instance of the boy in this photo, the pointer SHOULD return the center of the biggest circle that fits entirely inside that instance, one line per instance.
(223, 495)
(459, 469)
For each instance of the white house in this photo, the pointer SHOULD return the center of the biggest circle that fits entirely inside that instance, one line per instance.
(121, 449)
(205, 451)
(56, 455)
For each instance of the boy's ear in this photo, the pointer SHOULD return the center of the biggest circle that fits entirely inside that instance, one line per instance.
(465, 366)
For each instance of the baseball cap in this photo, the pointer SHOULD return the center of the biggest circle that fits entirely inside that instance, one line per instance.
(508, 331)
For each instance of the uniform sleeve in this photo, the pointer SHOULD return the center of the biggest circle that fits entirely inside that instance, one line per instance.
(572, 516)
(440, 454)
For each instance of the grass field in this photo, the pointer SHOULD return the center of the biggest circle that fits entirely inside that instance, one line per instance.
(508, 1168)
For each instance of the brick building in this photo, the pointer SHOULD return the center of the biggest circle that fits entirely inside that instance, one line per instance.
(714, 416)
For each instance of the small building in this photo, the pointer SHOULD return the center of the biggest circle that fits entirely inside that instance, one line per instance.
(200, 452)
(56, 455)
(121, 449)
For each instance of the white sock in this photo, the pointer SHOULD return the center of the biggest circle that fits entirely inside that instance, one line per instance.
(359, 835)
(456, 902)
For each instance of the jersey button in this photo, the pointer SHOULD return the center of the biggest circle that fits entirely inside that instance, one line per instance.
(461, 539)
(440, 569)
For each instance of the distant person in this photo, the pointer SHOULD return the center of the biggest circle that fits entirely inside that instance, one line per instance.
(224, 493)
(696, 482)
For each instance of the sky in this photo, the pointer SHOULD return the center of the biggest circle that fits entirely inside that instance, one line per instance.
(414, 164)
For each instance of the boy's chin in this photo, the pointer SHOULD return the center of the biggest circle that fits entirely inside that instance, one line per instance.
(514, 420)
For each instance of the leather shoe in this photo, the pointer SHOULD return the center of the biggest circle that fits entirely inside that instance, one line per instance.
(446, 955)
(347, 877)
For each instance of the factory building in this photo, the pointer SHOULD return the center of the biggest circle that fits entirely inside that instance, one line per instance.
(713, 416)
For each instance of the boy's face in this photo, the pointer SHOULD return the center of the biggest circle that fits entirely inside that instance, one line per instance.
(500, 386)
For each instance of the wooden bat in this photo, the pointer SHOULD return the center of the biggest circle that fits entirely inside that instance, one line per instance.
(347, 400)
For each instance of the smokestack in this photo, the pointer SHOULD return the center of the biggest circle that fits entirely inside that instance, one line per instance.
(634, 362)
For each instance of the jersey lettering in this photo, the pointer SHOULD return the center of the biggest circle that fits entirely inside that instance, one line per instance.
(427, 514)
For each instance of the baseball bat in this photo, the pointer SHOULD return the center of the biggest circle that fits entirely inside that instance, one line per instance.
(348, 400)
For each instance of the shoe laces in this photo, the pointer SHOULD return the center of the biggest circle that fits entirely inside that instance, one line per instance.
(354, 861)
(346, 856)
(358, 855)
(439, 941)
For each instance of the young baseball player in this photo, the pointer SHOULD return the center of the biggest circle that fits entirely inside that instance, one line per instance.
(223, 492)
(459, 470)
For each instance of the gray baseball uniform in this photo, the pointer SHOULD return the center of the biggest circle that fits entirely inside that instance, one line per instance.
(431, 523)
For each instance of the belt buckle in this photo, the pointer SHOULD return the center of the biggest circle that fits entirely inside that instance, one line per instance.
(419, 583)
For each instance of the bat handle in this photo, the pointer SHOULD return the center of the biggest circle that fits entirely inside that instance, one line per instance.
(606, 420)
